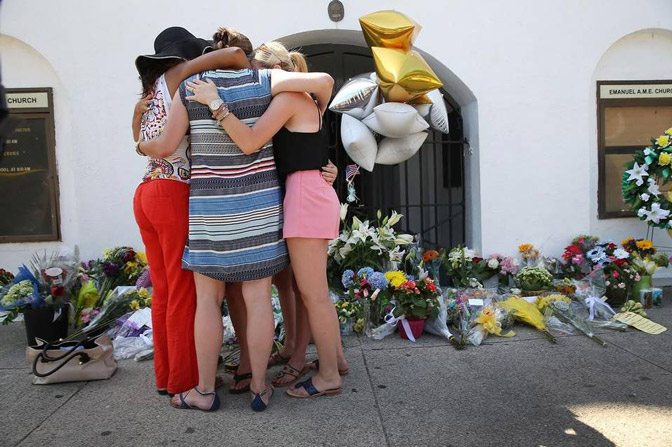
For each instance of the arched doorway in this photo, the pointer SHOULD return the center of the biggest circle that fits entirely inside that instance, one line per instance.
(428, 189)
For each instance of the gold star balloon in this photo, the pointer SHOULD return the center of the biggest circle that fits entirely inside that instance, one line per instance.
(390, 29)
(403, 76)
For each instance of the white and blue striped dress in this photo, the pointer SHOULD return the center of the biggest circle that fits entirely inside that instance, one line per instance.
(235, 201)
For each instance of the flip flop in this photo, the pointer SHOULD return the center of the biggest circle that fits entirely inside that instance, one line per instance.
(277, 359)
(257, 401)
(311, 390)
(239, 378)
(315, 365)
(288, 370)
(183, 405)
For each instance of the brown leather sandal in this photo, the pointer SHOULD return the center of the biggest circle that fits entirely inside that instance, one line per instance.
(288, 370)
(315, 365)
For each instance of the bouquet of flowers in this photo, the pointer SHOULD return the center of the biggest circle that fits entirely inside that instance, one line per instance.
(416, 299)
(368, 244)
(346, 310)
(368, 289)
(506, 268)
(465, 268)
(122, 300)
(490, 320)
(531, 279)
(529, 253)
(544, 301)
(50, 282)
(526, 313)
(564, 312)
(643, 256)
(119, 266)
(431, 261)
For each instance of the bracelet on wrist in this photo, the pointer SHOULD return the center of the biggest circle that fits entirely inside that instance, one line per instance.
(224, 117)
(138, 150)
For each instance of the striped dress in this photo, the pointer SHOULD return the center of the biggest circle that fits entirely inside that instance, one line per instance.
(235, 201)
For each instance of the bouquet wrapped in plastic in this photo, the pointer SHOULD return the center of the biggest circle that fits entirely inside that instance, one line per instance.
(564, 312)
(490, 320)
(526, 312)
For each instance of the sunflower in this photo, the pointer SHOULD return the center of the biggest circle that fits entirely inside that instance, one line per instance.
(644, 244)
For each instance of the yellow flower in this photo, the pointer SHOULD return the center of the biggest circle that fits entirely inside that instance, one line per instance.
(134, 305)
(143, 293)
(543, 301)
(625, 242)
(359, 325)
(669, 131)
(644, 244)
(525, 247)
(142, 257)
(148, 302)
(663, 140)
(664, 158)
(396, 278)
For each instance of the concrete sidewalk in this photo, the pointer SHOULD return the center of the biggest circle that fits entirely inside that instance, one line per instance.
(522, 391)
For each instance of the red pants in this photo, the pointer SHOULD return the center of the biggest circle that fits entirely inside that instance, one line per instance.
(162, 212)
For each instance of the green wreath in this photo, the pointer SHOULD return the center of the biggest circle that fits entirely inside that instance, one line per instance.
(650, 169)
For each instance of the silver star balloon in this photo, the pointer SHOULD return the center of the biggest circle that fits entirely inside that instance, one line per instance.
(357, 97)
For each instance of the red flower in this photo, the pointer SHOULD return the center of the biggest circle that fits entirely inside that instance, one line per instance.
(574, 249)
(620, 262)
(430, 255)
(615, 274)
(477, 259)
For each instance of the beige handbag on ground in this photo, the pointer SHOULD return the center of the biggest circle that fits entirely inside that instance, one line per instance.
(89, 359)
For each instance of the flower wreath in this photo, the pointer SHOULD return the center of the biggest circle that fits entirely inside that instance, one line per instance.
(640, 182)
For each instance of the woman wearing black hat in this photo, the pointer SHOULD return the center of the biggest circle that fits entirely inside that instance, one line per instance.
(161, 201)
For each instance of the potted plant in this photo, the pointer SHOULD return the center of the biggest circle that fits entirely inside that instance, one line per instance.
(645, 261)
(533, 280)
(416, 301)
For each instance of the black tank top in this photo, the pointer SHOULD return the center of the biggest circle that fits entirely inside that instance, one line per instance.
(300, 151)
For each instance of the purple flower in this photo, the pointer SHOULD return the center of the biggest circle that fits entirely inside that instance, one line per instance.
(110, 269)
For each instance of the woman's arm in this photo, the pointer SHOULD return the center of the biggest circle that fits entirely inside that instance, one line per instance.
(173, 132)
(248, 139)
(233, 58)
(140, 108)
(320, 84)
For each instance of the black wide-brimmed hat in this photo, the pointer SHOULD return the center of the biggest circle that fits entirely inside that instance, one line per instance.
(174, 43)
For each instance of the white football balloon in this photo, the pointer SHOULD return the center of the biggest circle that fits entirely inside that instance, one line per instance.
(357, 97)
(359, 142)
(438, 115)
(396, 120)
(393, 151)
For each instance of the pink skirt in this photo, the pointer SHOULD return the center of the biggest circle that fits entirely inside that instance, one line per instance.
(311, 207)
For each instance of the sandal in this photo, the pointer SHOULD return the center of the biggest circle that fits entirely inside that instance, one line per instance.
(311, 390)
(183, 405)
(237, 378)
(288, 370)
(231, 367)
(277, 359)
(258, 403)
(315, 365)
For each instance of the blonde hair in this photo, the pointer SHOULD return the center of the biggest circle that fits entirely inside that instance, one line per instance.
(226, 37)
(274, 53)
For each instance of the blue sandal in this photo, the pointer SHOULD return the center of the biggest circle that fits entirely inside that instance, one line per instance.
(185, 406)
(311, 390)
(258, 403)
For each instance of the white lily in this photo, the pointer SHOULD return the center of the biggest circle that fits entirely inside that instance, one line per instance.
(344, 211)
(645, 197)
(394, 218)
(656, 213)
(403, 239)
(637, 173)
(654, 190)
(345, 250)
